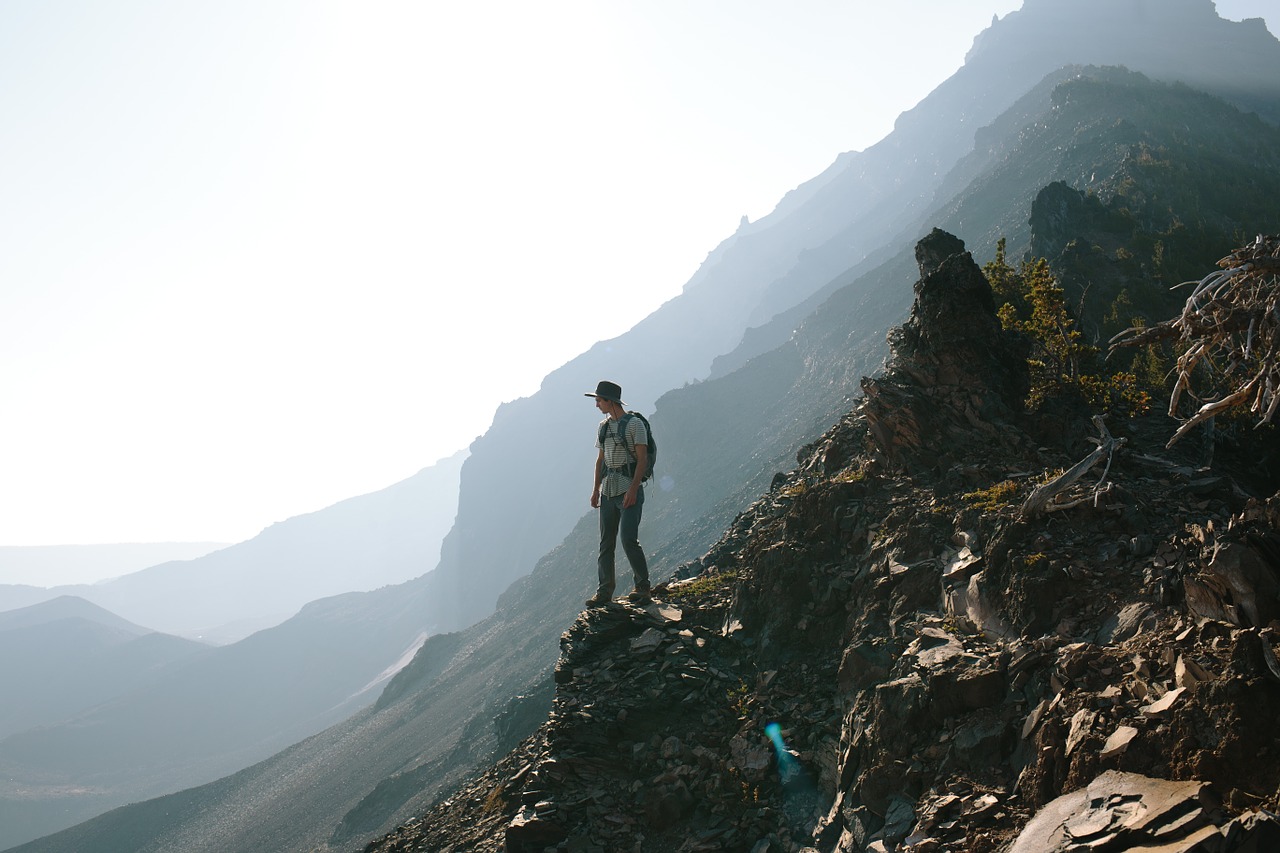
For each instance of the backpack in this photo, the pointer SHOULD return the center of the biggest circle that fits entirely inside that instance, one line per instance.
(622, 434)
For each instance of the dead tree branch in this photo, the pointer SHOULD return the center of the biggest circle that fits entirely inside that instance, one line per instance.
(1229, 330)
(1041, 500)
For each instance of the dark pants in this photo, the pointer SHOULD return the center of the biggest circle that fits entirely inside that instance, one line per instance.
(612, 519)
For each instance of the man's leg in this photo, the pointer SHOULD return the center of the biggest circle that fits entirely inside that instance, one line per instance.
(610, 512)
(631, 544)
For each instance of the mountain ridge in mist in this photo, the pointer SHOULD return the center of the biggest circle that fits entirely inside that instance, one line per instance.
(360, 543)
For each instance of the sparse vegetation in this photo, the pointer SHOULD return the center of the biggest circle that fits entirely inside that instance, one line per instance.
(852, 474)
(496, 801)
(703, 586)
(791, 490)
(1061, 361)
(994, 497)
(737, 697)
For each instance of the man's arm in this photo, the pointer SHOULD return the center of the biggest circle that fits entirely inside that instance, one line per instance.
(595, 490)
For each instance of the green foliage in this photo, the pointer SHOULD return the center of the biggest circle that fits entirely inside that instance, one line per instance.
(1006, 285)
(792, 490)
(703, 586)
(1121, 393)
(738, 698)
(1034, 561)
(993, 497)
(1061, 361)
(852, 474)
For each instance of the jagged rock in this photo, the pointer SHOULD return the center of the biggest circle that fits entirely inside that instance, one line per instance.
(898, 821)
(862, 665)
(1081, 727)
(1239, 586)
(1187, 673)
(648, 641)
(1122, 811)
(1133, 619)
(528, 832)
(750, 757)
(1162, 705)
(1118, 742)
(962, 681)
(980, 741)
(954, 372)
(1251, 833)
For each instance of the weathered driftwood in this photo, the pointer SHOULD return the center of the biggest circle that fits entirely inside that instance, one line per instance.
(1229, 330)
(1041, 500)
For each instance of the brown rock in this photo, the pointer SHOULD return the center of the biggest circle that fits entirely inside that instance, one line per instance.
(1162, 705)
(528, 833)
(1122, 811)
(1119, 741)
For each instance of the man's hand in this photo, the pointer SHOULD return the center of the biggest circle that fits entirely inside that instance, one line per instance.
(595, 488)
(629, 499)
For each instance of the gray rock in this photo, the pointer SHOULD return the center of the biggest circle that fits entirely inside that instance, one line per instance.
(1122, 811)
(1129, 622)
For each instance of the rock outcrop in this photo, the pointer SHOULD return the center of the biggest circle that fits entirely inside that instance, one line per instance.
(955, 376)
(882, 654)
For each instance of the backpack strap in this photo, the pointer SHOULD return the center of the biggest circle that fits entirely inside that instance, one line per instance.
(623, 423)
(620, 434)
(620, 437)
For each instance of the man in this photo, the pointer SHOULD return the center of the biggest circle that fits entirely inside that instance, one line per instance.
(618, 493)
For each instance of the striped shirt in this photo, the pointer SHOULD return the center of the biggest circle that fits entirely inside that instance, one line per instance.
(618, 456)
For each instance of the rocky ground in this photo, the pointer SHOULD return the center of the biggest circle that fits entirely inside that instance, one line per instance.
(886, 652)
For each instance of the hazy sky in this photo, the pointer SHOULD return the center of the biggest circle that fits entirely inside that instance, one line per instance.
(257, 257)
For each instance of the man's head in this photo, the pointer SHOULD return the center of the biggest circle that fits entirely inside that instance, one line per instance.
(608, 396)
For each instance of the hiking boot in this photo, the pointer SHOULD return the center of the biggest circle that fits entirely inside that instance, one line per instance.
(599, 600)
(640, 596)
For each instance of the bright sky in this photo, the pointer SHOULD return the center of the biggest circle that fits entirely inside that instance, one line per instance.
(257, 257)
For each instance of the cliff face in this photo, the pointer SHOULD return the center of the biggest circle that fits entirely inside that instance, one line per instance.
(884, 653)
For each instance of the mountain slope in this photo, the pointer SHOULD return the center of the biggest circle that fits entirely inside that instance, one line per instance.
(61, 657)
(361, 543)
(213, 714)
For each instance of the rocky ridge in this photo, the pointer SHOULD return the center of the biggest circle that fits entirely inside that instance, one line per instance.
(885, 653)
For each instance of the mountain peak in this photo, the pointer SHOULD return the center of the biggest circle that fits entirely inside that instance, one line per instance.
(67, 607)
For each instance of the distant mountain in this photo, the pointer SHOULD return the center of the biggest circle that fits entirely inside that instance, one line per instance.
(68, 608)
(361, 543)
(64, 656)
(193, 720)
(60, 565)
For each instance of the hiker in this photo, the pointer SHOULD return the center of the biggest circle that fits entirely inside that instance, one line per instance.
(618, 494)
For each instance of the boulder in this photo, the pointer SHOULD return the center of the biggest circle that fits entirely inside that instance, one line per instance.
(1123, 811)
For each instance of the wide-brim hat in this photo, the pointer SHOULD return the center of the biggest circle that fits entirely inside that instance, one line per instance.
(606, 390)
